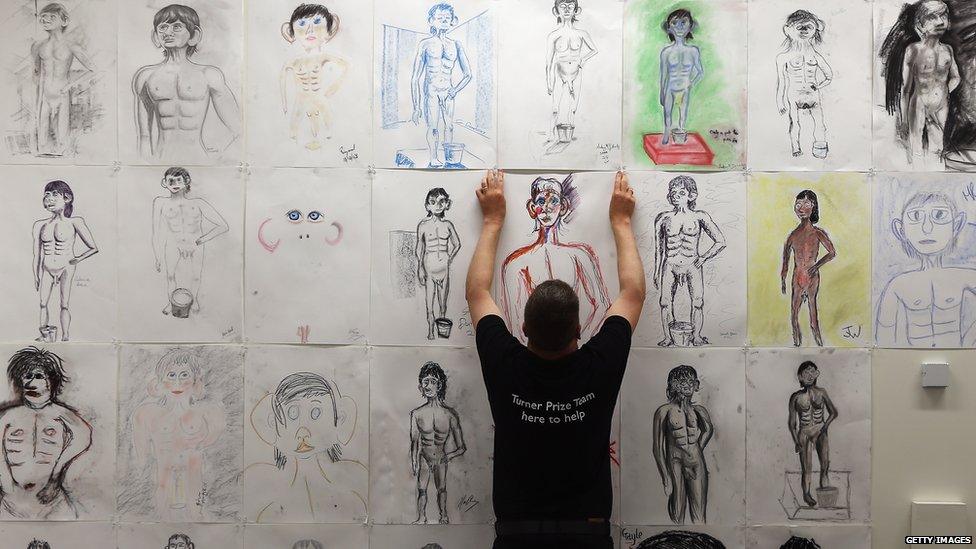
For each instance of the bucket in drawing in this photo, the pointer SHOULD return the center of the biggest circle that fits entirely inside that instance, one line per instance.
(444, 326)
(49, 334)
(681, 332)
(827, 497)
(181, 299)
(564, 132)
(453, 153)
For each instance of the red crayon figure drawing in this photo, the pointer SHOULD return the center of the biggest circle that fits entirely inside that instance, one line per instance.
(551, 205)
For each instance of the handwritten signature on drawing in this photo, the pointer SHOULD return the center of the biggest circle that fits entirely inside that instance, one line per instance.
(604, 150)
(227, 332)
(465, 324)
(852, 331)
(725, 136)
(467, 503)
(348, 155)
(355, 335)
(632, 536)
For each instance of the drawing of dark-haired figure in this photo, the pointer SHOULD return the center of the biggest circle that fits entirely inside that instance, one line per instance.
(681, 70)
(924, 307)
(42, 438)
(308, 426)
(174, 426)
(811, 413)
(801, 72)
(679, 539)
(173, 97)
(55, 261)
(682, 429)
(307, 544)
(678, 261)
(437, 244)
(568, 48)
(551, 205)
(179, 541)
(804, 243)
(311, 74)
(181, 226)
(38, 544)
(800, 543)
(435, 439)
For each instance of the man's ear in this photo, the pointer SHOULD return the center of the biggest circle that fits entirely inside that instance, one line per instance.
(448, 206)
(348, 417)
(197, 391)
(959, 222)
(286, 33)
(195, 37)
(898, 228)
(531, 208)
(153, 388)
(334, 28)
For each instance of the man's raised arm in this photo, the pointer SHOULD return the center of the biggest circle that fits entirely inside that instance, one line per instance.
(630, 269)
(491, 197)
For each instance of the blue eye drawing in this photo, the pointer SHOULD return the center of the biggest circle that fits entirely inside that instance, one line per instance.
(301, 22)
(317, 20)
(315, 216)
(294, 215)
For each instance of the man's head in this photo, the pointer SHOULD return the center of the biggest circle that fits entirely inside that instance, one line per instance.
(177, 27)
(441, 18)
(803, 26)
(58, 196)
(311, 25)
(53, 16)
(565, 10)
(179, 541)
(38, 544)
(807, 206)
(552, 202)
(799, 543)
(175, 180)
(178, 375)
(552, 316)
(673, 539)
(807, 373)
(682, 191)
(682, 382)
(437, 202)
(931, 18)
(307, 544)
(679, 23)
(432, 381)
(37, 376)
(929, 225)
(306, 415)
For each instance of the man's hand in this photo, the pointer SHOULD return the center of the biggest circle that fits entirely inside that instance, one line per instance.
(622, 202)
(491, 197)
(417, 115)
(668, 488)
(422, 276)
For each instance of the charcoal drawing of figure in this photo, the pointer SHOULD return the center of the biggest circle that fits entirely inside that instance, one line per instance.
(174, 427)
(38, 544)
(926, 306)
(307, 544)
(312, 26)
(804, 243)
(55, 261)
(436, 438)
(42, 438)
(181, 226)
(920, 73)
(568, 48)
(179, 541)
(551, 206)
(810, 414)
(437, 244)
(173, 97)
(680, 539)
(309, 425)
(678, 261)
(681, 70)
(682, 430)
(796, 542)
(801, 72)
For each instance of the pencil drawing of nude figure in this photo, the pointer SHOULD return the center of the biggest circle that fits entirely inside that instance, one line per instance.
(174, 428)
(53, 58)
(801, 72)
(682, 429)
(174, 97)
(568, 49)
(927, 306)
(54, 255)
(678, 261)
(181, 226)
(42, 437)
(436, 438)
(312, 26)
(811, 413)
(437, 244)
(804, 244)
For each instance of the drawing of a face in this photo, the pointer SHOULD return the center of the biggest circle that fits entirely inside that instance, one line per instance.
(808, 376)
(429, 386)
(932, 18)
(54, 201)
(173, 34)
(680, 27)
(546, 207)
(803, 30)
(566, 9)
(50, 21)
(930, 228)
(179, 541)
(312, 30)
(803, 208)
(438, 204)
(441, 19)
(679, 197)
(178, 380)
(311, 420)
(307, 226)
(175, 184)
(37, 387)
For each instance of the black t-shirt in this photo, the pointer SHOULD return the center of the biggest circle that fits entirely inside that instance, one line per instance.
(552, 422)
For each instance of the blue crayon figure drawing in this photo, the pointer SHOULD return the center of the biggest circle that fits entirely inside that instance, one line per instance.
(436, 90)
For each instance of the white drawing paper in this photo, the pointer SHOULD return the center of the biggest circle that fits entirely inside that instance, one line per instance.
(306, 536)
(665, 537)
(846, 536)
(156, 535)
(57, 535)
(473, 536)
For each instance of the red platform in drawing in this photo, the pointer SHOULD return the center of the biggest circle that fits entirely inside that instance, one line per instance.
(694, 151)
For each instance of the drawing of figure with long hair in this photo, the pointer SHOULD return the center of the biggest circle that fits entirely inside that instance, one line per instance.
(801, 72)
(568, 48)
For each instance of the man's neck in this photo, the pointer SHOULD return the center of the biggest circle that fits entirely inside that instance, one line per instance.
(176, 55)
(554, 355)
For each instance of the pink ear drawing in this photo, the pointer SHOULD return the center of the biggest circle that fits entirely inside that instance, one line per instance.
(338, 238)
(269, 246)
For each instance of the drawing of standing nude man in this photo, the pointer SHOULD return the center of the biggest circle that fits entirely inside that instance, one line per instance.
(811, 413)
(801, 72)
(682, 429)
(42, 437)
(677, 259)
(437, 244)
(434, 428)
(432, 88)
(565, 58)
(54, 254)
(173, 97)
(681, 70)
(804, 244)
(181, 228)
(53, 59)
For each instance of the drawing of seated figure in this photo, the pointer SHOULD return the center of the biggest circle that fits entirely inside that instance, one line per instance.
(568, 49)
(180, 227)
(42, 438)
(179, 541)
(437, 244)
(801, 72)
(800, 543)
(432, 88)
(435, 439)
(307, 544)
(682, 429)
(312, 26)
(175, 426)
(810, 414)
(551, 205)
(927, 306)
(309, 423)
(174, 97)
(681, 70)
(678, 261)
(53, 58)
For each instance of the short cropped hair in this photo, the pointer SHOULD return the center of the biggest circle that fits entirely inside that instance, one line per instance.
(552, 315)
(178, 171)
(29, 358)
(689, 184)
(308, 10)
(38, 544)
